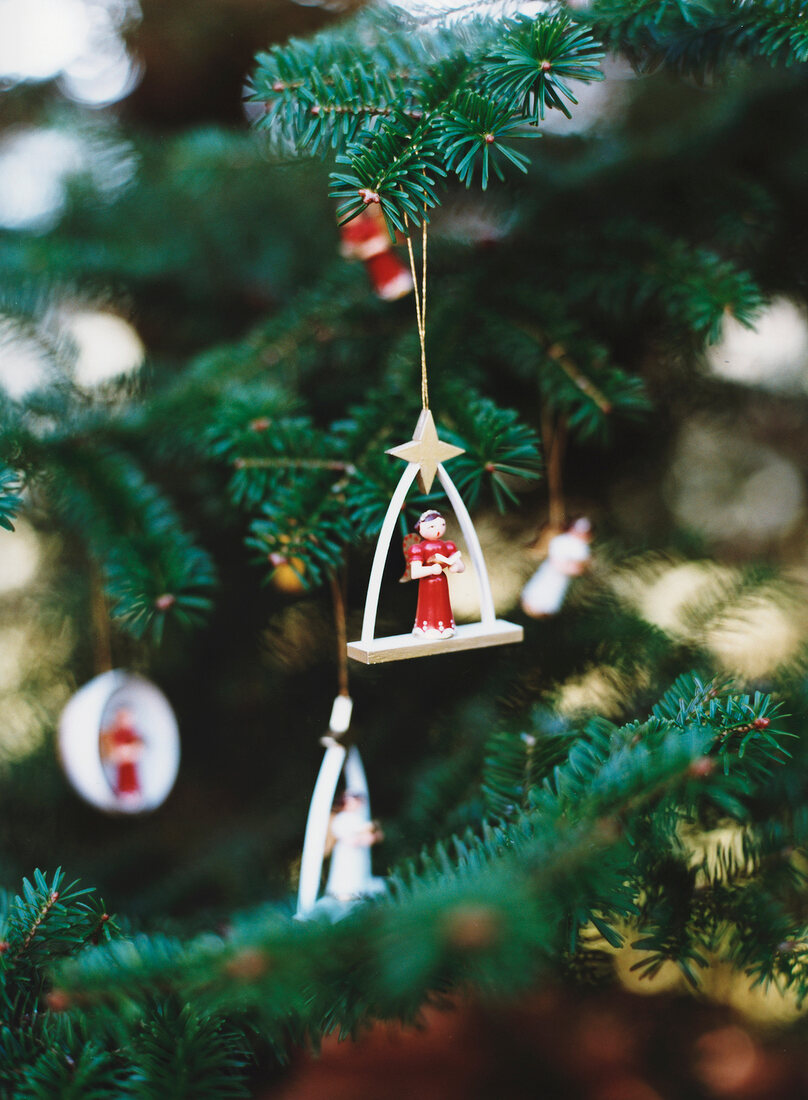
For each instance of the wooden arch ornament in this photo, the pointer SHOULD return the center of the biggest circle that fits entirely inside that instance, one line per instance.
(337, 759)
(425, 455)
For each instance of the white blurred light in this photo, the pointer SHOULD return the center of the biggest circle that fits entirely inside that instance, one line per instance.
(100, 79)
(602, 689)
(38, 38)
(19, 557)
(726, 486)
(772, 356)
(24, 360)
(22, 730)
(600, 103)
(107, 346)
(14, 647)
(33, 167)
(760, 634)
(457, 9)
(680, 595)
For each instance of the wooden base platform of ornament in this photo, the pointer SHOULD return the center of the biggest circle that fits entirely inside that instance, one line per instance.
(398, 647)
(489, 631)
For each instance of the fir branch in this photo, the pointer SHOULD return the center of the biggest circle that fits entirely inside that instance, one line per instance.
(517, 763)
(10, 499)
(188, 1057)
(396, 167)
(47, 919)
(498, 449)
(306, 525)
(429, 102)
(309, 518)
(580, 853)
(698, 37)
(472, 132)
(87, 1072)
(152, 569)
(536, 61)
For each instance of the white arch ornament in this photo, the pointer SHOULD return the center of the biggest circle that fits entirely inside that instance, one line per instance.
(336, 760)
(489, 631)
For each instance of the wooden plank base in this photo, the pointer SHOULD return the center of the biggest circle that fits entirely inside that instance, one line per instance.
(401, 647)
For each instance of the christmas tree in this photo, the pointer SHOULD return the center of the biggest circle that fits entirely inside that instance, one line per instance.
(580, 230)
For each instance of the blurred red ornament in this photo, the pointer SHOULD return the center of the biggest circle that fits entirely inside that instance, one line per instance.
(365, 238)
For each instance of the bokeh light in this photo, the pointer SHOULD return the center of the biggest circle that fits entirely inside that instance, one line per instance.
(675, 596)
(601, 689)
(107, 347)
(507, 570)
(102, 78)
(725, 485)
(600, 104)
(764, 633)
(38, 38)
(36, 165)
(24, 360)
(771, 356)
(20, 557)
(749, 634)
(79, 41)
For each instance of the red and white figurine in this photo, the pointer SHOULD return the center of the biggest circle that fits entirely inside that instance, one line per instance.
(121, 749)
(430, 560)
(568, 555)
(365, 238)
(119, 743)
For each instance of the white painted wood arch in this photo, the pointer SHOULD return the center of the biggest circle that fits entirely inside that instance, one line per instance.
(488, 631)
(336, 760)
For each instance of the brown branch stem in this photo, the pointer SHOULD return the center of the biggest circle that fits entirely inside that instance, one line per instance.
(558, 354)
(99, 613)
(289, 463)
(40, 917)
(340, 621)
(554, 440)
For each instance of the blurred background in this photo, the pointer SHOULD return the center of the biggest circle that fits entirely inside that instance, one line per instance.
(148, 223)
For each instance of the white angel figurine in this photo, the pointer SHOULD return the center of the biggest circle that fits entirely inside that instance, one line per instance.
(350, 876)
(568, 556)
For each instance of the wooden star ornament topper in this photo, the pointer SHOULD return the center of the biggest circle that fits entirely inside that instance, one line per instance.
(426, 449)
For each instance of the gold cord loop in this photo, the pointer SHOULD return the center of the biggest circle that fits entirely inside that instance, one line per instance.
(420, 308)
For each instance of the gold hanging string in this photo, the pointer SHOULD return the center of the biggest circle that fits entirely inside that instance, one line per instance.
(420, 308)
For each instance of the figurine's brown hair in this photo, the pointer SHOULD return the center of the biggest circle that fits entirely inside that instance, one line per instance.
(425, 517)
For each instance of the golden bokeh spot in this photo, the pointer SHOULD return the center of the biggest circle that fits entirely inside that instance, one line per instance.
(674, 595)
(602, 688)
(762, 633)
(507, 559)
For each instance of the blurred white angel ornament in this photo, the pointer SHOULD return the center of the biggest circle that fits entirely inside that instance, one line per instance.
(568, 556)
(350, 876)
(340, 828)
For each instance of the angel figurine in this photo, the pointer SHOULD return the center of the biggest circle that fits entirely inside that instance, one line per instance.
(568, 556)
(121, 749)
(353, 835)
(429, 559)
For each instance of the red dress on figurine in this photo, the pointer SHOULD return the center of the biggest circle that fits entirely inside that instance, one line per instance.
(128, 781)
(434, 612)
